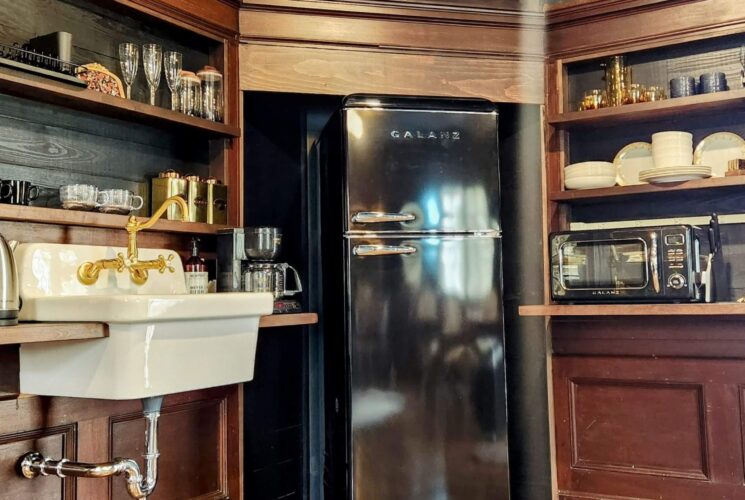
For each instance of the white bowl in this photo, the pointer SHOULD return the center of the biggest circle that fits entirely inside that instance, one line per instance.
(590, 182)
(590, 168)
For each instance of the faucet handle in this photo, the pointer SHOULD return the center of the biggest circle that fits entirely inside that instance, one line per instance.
(164, 264)
(121, 263)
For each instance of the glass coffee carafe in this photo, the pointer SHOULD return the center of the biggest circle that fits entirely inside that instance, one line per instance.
(271, 277)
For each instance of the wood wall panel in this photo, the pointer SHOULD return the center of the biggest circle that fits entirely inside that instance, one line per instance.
(326, 70)
(326, 47)
(200, 443)
(661, 428)
(54, 442)
(662, 433)
(219, 16)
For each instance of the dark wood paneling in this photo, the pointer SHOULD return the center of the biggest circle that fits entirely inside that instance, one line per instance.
(686, 336)
(661, 428)
(218, 16)
(54, 442)
(661, 433)
(193, 444)
(200, 443)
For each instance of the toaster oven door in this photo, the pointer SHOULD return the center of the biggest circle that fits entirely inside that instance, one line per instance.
(596, 269)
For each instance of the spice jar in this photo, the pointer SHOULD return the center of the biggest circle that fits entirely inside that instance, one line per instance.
(212, 93)
(191, 94)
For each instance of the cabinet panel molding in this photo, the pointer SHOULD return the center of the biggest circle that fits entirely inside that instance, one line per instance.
(662, 433)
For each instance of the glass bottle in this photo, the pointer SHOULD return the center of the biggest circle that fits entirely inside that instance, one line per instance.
(195, 271)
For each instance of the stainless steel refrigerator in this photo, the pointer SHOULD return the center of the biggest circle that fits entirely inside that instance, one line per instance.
(411, 286)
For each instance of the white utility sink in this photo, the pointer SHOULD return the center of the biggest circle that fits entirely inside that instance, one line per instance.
(161, 340)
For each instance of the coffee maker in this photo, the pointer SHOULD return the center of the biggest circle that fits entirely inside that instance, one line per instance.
(246, 261)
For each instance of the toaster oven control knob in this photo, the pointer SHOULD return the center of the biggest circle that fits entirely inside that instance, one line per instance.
(676, 281)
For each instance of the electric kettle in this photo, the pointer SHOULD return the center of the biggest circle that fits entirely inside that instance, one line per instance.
(10, 302)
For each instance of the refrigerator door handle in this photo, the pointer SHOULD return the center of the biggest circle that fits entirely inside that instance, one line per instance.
(375, 217)
(372, 250)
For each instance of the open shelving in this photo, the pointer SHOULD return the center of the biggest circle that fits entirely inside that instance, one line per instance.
(594, 195)
(28, 333)
(714, 309)
(50, 91)
(651, 111)
(59, 216)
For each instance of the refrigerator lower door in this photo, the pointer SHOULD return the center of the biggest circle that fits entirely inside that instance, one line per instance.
(428, 411)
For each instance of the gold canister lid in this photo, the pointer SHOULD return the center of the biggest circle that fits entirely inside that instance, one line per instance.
(193, 178)
(212, 180)
(169, 174)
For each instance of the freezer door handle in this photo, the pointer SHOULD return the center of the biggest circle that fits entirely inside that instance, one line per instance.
(375, 217)
(371, 250)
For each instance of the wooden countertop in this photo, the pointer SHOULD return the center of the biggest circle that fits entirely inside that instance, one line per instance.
(26, 333)
(716, 309)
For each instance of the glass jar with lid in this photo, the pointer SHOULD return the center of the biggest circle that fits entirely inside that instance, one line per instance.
(191, 94)
(212, 93)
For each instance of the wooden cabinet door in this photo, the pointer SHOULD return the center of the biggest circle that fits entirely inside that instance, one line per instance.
(199, 440)
(649, 428)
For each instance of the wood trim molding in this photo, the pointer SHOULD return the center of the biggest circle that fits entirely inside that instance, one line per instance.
(661, 23)
(402, 11)
(581, 10)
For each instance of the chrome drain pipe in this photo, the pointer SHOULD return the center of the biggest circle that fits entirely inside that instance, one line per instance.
(34, 464)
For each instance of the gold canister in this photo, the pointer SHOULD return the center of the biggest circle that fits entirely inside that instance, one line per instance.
(196, 197)
(167, 184)
(217, 201)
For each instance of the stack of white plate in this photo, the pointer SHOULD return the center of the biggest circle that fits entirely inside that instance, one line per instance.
(675, 174)
(590, 175)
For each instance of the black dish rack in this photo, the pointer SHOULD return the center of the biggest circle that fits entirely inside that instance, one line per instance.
(22, 58)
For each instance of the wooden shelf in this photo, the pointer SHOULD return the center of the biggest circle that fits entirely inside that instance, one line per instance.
(94, 219)
(277, 320)
(651, 111)
(28, 333)
(50, 91)
(554, 310)
(590, 195)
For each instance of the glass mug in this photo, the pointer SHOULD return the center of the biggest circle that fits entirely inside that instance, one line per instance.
(118, 201)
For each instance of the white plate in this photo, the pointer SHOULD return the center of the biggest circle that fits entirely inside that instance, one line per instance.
(631, 160)
(717, 150)
(670, 175)
(590, 182)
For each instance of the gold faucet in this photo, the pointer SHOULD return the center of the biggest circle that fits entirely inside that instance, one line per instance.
(88, 272)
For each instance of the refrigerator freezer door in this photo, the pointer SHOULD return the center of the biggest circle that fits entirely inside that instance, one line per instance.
(421, 170)
(428, 411)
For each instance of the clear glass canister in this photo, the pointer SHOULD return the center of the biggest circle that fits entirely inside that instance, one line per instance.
(191, 94)
(212, 93)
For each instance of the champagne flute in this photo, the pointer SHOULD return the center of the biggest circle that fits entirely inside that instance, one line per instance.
(173, 63)
(152, 59)
(129, 60)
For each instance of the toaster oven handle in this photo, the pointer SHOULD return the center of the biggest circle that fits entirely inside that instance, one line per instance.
(653, 266)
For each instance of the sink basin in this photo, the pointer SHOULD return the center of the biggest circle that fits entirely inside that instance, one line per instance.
(161, 340)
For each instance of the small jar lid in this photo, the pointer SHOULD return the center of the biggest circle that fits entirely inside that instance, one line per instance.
(169, 174)
(209, 73)
(212, 180)
(193, 178)
(189, 75)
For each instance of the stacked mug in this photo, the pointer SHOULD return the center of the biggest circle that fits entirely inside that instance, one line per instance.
(712, 82)
(682, 86)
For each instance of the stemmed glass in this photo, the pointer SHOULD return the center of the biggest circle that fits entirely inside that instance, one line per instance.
(129, 60)
(173, 63)
(152, 59)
